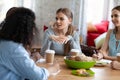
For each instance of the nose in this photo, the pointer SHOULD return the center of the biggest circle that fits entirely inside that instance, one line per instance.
(113, 18)
(58, 20)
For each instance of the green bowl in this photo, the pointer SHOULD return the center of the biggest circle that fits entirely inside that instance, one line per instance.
(79, 64)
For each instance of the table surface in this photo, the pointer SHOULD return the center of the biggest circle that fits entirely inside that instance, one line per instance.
(101, 73)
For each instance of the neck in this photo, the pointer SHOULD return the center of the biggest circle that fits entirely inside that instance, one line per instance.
(61, 31)
(118, 32)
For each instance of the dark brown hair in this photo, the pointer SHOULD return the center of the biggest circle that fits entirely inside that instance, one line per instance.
(116, 8)
(19, 26)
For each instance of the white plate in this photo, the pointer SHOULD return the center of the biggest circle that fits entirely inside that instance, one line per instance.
(102, 63)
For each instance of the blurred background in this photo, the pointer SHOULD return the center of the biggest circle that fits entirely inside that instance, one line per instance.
(89, 15)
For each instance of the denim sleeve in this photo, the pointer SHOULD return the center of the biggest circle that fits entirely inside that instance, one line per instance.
(22, 65)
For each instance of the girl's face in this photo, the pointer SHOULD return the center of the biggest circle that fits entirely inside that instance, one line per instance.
(62, 21)
(116, 17)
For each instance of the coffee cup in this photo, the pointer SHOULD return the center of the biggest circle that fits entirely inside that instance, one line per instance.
(74, 52)
(49, 55)
(118, 57)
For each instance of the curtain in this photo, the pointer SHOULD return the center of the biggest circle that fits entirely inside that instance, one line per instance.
(83, 14)
(82, 21)
(5, 5)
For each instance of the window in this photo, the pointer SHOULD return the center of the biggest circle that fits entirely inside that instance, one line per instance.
(5, 5)
(95, 10)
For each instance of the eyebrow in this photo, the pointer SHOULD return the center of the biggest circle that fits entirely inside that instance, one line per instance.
(115, 15)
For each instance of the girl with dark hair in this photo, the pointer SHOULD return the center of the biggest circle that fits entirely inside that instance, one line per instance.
(115, 41)
(16, 38)
(7, 14)
(111, 44)
(63, 36)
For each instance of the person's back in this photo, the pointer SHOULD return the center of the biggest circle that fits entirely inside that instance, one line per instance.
(7, 63)
(16, 38)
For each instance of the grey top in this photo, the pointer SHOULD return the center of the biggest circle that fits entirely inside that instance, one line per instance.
(59, 48)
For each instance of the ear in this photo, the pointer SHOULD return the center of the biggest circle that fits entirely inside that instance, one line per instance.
(70, 20)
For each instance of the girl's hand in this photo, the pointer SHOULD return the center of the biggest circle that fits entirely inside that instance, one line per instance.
(98, 56)
(36, 56)
(60, 39)
(54, 69)
(64, 39)
(115, 65)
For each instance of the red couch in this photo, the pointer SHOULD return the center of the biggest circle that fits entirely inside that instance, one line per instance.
(95, 30)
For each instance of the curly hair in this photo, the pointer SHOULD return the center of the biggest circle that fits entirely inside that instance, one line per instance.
(19, 26)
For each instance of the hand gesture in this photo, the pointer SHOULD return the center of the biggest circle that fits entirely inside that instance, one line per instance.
(115, 65)
(60, 39)
(97, 56)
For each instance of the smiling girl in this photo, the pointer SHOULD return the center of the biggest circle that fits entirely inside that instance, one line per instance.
(111, 45)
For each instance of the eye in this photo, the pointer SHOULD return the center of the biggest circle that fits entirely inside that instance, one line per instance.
(116, 15)
(61, 19)
(111, 16)
(56, 18)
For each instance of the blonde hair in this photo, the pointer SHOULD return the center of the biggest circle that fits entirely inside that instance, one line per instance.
(70, 30)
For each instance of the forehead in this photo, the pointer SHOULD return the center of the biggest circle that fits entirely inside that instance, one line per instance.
(60, 14)
(115, 11)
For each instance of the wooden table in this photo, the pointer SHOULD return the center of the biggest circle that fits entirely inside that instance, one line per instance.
(101, 73)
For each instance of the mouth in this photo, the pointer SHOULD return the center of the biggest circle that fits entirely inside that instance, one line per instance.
(59, 25)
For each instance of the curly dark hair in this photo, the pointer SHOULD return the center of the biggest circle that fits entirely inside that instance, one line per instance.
(19, 26)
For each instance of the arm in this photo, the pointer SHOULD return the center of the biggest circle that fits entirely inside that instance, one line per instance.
(46, 42)
(105, 48)
(75, 41)
(115, 65)
(35, 56)
(21, 64)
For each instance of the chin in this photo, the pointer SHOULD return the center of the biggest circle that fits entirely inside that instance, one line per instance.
(60, 28)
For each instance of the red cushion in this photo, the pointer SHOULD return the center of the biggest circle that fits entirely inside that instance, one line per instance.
(91, 37)
(102, 27)
(91, 27)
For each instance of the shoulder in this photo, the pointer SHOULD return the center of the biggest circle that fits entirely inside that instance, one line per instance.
(14, 45)
(11, 47)
(10, 44)
(109, 32)
(17, 48)
(49, 30)
(75, 33)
